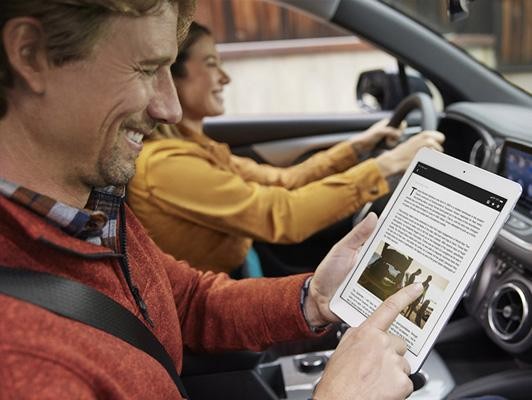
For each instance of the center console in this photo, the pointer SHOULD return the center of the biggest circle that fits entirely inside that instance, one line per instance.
(302, 372)
(501, 295)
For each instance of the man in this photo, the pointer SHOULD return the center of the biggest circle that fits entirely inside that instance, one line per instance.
(412, 278)
(414, 305)
(81, 83)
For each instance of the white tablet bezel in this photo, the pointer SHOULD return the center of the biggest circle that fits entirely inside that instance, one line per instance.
(466, 172)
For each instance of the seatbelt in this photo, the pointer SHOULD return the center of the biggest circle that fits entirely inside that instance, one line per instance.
(82, 303)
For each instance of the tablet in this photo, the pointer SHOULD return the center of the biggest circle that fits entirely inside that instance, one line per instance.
(436, 229)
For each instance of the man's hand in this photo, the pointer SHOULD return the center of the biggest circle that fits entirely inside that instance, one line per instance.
(365, 142)
(368, 364)
(397, 160)
(332, 271)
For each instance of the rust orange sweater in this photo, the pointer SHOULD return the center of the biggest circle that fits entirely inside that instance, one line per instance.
(44, 356)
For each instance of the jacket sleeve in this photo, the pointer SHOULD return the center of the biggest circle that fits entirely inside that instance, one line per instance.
(324, 163)
(190, 187)
(217, 313)
(221, 314)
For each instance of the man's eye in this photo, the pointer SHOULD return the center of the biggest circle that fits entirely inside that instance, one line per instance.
(147, 71)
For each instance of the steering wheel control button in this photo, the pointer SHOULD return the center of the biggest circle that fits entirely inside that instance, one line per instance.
(311, 363)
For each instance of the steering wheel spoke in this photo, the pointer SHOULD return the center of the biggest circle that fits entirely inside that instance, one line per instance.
(429, 122)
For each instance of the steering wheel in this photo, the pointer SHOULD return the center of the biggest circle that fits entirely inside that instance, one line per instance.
(429, 122)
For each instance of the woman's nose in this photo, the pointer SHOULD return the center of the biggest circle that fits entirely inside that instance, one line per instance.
(224, 77)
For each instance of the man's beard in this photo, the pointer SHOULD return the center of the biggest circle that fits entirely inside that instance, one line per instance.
(114, 170)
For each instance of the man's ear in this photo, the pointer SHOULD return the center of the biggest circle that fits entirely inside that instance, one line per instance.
(25, 46)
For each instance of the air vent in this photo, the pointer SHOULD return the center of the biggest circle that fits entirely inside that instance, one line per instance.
(508, 312)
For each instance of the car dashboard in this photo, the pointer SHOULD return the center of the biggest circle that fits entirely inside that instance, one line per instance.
(498, 137)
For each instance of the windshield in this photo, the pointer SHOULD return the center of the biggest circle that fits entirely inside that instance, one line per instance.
(497, 33)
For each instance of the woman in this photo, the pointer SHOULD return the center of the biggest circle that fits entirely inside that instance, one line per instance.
(203, 204)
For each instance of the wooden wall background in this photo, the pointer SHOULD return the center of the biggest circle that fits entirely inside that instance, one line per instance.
(248, 20)
(252, 20)
(515, 47)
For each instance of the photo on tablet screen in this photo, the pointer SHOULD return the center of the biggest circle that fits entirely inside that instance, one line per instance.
(390, 269)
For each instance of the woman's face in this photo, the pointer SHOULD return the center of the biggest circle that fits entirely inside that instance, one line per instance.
(200, 91)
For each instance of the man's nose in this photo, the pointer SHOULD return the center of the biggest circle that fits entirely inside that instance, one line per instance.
(164, 107)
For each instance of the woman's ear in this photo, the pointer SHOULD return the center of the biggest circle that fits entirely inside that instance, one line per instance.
(25, 47)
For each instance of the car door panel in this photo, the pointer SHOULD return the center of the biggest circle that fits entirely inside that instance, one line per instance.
(287, 140)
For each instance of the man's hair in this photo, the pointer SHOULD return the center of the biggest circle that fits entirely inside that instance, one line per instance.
(72, 27)
(195, 33)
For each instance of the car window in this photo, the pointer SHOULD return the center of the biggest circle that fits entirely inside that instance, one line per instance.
(497, 33)
(283, 62)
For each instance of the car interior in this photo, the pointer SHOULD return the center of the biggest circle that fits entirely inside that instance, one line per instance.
(486, 346)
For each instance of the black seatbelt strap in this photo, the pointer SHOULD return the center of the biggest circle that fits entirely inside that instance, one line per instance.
(82, 303)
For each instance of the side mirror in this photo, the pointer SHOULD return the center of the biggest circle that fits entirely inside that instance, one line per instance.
(378, 90)
(458, 9)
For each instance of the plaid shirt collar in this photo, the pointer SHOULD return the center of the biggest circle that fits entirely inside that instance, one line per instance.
(96, 223)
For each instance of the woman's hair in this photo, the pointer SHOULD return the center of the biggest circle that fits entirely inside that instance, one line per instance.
(195, 33)
(72, 27)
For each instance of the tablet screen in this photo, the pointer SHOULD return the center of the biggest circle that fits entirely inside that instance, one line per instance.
(431, 235)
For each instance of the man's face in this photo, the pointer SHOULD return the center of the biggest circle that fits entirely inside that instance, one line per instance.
(99, 109)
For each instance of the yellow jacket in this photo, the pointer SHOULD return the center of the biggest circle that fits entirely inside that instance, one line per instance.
(203, 204)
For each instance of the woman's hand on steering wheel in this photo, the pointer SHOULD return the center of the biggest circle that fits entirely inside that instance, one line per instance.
(381, 131)
(397, 160)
